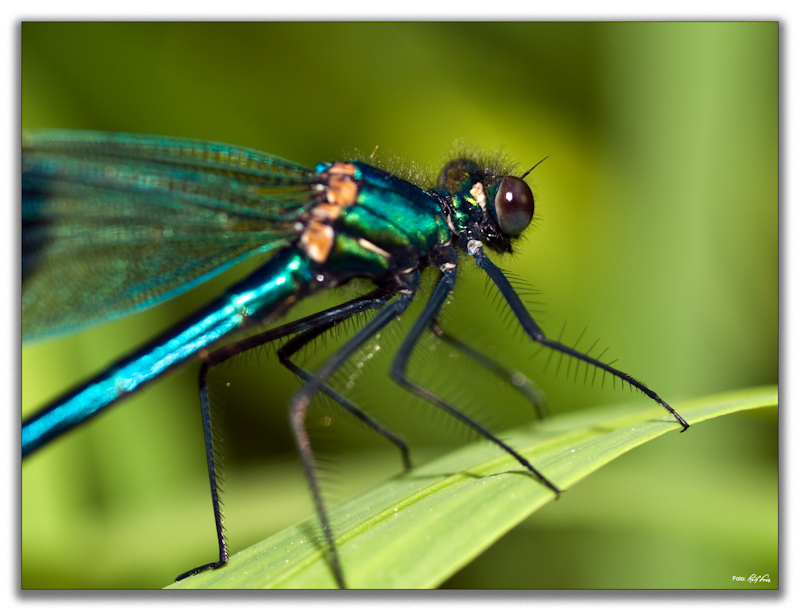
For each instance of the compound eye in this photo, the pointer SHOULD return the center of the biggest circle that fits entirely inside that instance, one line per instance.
(513, 205)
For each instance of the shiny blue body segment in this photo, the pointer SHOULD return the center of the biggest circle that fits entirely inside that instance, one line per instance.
(116, 223)
(256, 298)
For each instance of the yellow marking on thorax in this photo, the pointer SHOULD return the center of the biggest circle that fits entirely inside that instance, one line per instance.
(367, 245)
(479, 194)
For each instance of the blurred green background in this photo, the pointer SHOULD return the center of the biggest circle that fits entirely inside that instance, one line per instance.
(657, 230)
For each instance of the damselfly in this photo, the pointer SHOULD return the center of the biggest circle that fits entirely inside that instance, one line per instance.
(115, 223)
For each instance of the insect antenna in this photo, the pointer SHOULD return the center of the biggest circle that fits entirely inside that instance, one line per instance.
(533, 168)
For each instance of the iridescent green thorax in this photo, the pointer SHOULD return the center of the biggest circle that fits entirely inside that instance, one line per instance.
(380, 224)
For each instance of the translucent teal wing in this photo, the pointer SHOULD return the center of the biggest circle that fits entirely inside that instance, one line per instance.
(115, 223)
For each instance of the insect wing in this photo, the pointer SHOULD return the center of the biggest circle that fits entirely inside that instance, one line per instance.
(115, 223)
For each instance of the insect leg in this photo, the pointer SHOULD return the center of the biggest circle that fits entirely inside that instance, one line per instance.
(515, 379)
(297, 343)
(475, 249)
(301, 401)
(447, 265)
(322, 320)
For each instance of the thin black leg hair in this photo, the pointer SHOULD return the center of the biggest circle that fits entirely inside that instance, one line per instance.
(550, 356)
(588, 352)
(574, 346)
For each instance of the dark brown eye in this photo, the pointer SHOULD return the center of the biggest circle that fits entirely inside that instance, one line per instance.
(513, 205)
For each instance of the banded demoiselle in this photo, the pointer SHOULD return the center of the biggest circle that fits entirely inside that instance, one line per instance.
(115, 223)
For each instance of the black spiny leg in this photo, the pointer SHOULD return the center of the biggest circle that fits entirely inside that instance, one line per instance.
(296, 343)
(312, 325)
(475, 249)
(446, 260)
(518, 381)
(301, 401)
(208, 436)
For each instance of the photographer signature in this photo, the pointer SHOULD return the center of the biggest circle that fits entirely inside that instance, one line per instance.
(753, 578)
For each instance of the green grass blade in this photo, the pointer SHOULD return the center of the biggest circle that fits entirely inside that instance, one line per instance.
(421, 527)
